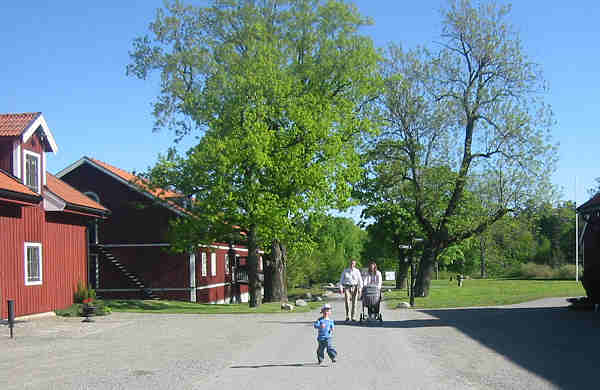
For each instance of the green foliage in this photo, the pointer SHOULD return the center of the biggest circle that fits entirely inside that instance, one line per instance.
(280, 92)
(336, 241)
(543, 271)
(83, 292)
(466, 137)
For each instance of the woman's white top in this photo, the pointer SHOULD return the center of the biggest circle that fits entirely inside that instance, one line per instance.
(376, 279)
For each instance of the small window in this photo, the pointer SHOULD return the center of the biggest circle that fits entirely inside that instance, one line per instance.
(33, 263)
(203, 263)
(226, 264)
(213, 264)
(32, 171)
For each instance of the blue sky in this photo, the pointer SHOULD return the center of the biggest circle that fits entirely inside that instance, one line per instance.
(67, 59)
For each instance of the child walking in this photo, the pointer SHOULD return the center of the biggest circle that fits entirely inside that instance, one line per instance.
(325, 334)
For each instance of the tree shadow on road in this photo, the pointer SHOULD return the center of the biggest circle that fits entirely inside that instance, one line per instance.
(312, 364)
(558, 344)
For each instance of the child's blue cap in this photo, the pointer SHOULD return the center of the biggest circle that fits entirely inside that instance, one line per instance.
(326, 306)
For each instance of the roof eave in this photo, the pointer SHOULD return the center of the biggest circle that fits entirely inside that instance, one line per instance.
(87, 160)
(38, 122)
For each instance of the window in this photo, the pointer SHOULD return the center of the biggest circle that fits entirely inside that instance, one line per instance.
(32, 171)
(213, 264)
(203, 263)
(33, 263)
(226, 264)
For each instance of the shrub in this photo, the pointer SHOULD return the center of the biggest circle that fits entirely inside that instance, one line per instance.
(76, 310)
(567, 272)
(531, 271)
(83, 293)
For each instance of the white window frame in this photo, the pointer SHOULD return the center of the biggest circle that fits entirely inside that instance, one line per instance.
(39, 169)
(204, 264)
(213, 264)
(35, 282)
(226, 264)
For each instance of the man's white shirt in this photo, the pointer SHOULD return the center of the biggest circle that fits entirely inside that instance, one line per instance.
(351, 276)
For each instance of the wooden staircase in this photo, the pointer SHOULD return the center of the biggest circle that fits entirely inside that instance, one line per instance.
(132, 277)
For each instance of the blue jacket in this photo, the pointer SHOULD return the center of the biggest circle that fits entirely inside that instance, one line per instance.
(325, 327)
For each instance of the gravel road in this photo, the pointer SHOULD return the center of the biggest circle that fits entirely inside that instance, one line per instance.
(538, 345)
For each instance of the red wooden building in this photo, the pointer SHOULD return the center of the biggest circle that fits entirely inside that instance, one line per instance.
(43, 221)
(130, 248)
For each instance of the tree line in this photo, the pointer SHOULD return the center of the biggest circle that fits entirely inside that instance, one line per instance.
(297, 113)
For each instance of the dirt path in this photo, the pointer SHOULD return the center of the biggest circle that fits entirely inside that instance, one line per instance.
(539, 345)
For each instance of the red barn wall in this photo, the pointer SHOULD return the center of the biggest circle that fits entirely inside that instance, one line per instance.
(64, 251)
(134, 218)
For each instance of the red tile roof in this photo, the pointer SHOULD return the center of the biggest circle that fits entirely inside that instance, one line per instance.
(158, 192)
(9, 183)
(12, 125)
(70, 194)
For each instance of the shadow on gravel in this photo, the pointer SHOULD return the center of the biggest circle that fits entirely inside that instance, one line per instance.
(558, 344)
(281, 365)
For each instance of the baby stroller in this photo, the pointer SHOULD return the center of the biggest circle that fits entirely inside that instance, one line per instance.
(371, 300)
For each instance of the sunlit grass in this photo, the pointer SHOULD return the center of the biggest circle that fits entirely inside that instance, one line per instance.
(180, 307)
(486, 292)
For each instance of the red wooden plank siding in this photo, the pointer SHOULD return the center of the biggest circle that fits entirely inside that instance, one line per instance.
(63, 258)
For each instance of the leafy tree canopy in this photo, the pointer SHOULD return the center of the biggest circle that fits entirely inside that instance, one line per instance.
(279, 91)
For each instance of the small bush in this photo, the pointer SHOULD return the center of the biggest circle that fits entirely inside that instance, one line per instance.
(567, 272)
(536, 271)
(83, 292)
(76, 310)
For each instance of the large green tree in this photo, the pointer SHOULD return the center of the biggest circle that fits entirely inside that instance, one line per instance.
(279, 92)
(470, 109)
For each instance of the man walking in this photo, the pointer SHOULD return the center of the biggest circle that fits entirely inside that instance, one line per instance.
(351, 285)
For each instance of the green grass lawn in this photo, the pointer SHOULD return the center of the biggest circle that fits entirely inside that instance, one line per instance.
(171, 307)
(486, 292)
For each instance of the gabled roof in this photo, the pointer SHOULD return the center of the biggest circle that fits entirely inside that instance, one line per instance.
(132, 181)
(73, 198)
(24, 125)
(11, 188)
(590, 205)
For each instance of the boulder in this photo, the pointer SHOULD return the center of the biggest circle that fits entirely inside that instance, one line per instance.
(318, 299)
(287, 307)
(308, 296)
(403, 305)
(301, 302)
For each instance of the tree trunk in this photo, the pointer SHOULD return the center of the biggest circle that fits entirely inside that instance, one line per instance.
(425, 273)
(401, 273)
(268, 281)
(279, 271)
(254, 284)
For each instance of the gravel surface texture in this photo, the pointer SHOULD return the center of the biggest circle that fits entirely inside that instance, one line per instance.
(537, 345)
